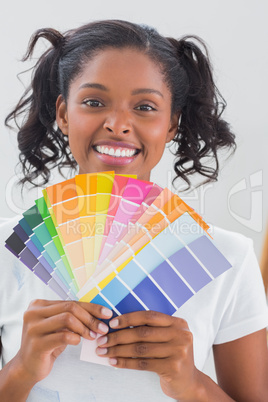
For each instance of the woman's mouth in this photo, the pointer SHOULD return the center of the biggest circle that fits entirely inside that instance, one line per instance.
(116, 155)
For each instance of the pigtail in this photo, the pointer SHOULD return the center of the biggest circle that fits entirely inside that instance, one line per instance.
(202, 131)
(41, 145)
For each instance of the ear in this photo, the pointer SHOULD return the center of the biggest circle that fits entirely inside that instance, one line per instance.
(61, 115)
(173, 128)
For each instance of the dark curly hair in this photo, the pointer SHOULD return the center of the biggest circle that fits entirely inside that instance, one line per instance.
(186, 70)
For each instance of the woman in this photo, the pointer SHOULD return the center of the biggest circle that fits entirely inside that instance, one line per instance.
(118, 93)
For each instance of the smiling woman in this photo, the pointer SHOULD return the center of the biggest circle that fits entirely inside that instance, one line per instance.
(118, 115)
(175, 74)
(108, 96)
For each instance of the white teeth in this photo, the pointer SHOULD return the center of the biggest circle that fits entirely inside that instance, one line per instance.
(117, 153)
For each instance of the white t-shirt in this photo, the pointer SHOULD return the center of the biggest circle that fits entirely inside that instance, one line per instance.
(229, 307)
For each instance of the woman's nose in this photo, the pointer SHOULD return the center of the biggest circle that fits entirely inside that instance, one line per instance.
(118, 123)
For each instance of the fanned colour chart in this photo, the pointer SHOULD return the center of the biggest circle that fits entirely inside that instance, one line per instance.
(117, 241)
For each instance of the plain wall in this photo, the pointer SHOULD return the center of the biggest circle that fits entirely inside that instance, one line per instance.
(236, 33)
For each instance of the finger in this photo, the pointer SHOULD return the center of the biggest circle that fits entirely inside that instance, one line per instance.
(63, 321)
(81, 311)
(152, 318)
(138, 350)
(59, 339)
(159, 366)
(139, 334)
(95, 309)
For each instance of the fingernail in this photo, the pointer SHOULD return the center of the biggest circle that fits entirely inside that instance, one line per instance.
(105, 311)
(101, 351)
(114, 323)
(112, 361)
(102, 340)
(102, 327)
(92, 334)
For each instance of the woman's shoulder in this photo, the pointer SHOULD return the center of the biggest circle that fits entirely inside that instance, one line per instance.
(7, 224)
(235, 246)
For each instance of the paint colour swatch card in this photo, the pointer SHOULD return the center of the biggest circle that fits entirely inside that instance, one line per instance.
(114, 240)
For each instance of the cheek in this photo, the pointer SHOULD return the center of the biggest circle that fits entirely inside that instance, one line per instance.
(155, 136)
(83, 128)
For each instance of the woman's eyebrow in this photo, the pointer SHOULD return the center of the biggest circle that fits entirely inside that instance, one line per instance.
(134, 92)
(93, 85)
(146, 91)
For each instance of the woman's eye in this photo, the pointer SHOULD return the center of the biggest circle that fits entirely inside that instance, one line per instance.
(145, 108)
(93, 103)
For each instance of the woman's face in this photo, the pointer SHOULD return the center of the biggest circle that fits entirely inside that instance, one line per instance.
(118, 114)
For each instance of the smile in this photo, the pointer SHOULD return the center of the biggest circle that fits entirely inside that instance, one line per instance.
(116, 152)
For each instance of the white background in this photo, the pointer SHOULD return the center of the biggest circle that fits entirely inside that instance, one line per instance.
(236, 33)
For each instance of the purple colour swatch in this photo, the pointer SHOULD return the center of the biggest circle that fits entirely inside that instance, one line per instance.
(21, 233)
(190, 269)
(210, 256)
(171, 284)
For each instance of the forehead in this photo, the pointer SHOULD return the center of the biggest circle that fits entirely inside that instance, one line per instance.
(127, 68)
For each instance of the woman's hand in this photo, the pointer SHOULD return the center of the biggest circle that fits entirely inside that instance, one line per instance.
(49, 326)
(157, 342)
